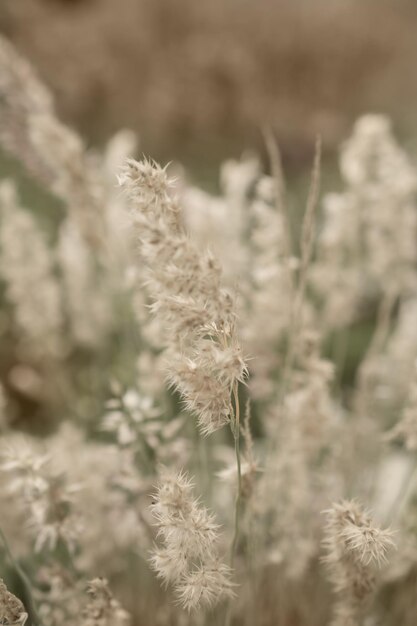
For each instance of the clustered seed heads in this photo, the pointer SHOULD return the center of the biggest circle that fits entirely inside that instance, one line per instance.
(45, 495)
(12, 610)
(105, 303)
(367, 241)
(188, 558)
(51, 151)
(103, 609)
(355, 548)
(27, 269)
(203, 355)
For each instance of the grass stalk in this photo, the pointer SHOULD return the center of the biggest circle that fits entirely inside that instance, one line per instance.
(235, 426)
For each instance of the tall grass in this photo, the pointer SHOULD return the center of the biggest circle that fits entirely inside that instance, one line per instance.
(169, 407)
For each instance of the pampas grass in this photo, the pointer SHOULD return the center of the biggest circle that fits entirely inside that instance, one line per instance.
(170, 409)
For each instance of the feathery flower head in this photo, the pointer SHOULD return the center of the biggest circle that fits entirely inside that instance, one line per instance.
(204, 586)
(355, 547)
(355, 534)
(203, 358)
(103, 609)
(12, 611)
(145, 180)
(188, 557)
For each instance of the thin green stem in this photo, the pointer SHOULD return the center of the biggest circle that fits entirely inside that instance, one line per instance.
(238, 499)
(298, 295)
(235, 426)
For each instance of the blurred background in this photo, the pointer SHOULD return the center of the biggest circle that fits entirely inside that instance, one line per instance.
(197, 80)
